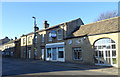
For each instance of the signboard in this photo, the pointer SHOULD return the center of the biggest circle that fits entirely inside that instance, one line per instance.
(53, 33)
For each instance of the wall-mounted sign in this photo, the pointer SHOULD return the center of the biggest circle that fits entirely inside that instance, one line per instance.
(53, 33)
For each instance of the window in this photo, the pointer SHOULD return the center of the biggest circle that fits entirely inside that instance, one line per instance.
(50, 38)
(77, 54)
(59, 34)
(23, 40)
(60, 52)
(43, 37)
(48, 52)
(29, 39)
(105, 51)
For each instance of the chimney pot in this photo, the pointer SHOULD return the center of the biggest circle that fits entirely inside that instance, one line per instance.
(46, 25)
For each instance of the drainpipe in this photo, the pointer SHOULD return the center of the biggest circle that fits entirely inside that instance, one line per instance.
(26, 46)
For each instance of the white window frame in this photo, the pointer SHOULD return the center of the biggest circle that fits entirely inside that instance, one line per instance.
(51, 46)
(29, 39)
(99, 47)
(24, 41)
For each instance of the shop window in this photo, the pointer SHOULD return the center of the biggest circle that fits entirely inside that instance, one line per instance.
(48, 52)
(105, 51)
(77, 53)
(59, 34)
(113, 46)
(60, 52)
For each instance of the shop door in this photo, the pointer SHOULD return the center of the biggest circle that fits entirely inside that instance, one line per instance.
(54, 54)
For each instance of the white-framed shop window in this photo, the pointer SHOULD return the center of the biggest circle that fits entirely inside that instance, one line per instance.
(105, 52)
(60, 52)
(48, 54)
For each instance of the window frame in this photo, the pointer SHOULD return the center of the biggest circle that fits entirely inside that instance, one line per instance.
(49, 36)
(24, 41)
(61, 51)
(43, 38)
(59, 34)
(77, 53)
(29, 39)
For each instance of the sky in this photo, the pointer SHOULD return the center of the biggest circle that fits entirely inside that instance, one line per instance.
(17, 16)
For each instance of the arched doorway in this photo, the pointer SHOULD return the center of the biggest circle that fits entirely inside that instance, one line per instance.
(105, 52)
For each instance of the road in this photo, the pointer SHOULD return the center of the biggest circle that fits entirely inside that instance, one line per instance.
(11, 67)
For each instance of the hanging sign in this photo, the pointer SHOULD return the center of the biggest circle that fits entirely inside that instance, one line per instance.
(53, 33)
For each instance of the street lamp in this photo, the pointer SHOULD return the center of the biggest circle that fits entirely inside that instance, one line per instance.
(35, 37)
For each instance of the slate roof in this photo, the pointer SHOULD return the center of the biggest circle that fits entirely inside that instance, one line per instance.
(99, 27)
(55, 26)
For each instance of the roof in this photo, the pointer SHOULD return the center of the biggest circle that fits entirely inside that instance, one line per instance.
(103, 26)
(54, 26)
(11, 41)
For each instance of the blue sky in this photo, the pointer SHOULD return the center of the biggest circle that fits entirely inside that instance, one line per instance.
(17, 16)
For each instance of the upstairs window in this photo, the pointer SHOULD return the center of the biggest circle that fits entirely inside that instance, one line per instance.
(43, 37)
(49, 38)
(59, 34)
(29, 39)
(23, 41)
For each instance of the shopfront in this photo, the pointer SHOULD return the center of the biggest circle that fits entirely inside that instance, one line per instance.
(105, 52)
(55, 52)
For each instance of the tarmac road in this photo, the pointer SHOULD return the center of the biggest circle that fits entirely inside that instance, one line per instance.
(12, 67)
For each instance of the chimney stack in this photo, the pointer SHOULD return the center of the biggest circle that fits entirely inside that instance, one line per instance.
(15, 38)
(46, 25)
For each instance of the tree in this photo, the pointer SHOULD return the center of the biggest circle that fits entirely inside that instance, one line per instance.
(107, 15)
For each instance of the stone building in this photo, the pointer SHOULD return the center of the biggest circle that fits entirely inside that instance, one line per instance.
(49, 44)
(96, 43)
(4, 40)
(11, 48)
(8, 49)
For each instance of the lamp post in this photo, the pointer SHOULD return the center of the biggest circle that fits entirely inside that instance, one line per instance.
(35, 37)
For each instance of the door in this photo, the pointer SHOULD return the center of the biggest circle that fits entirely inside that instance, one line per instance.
(29, 54)
(54, 54)
(42, 54)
